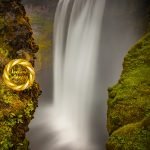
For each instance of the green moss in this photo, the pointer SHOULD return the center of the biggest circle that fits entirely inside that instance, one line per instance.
(16, 108)
(128, 103)
(29, 109)
(5, 138)
(14, 117)
(130, 137)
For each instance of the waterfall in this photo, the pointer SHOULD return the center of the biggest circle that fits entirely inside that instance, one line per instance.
(77, 34)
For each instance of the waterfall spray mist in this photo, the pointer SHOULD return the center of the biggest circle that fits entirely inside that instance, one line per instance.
(77, 33)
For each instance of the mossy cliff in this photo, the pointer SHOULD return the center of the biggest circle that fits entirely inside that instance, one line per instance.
(129, 101)
(16, 108)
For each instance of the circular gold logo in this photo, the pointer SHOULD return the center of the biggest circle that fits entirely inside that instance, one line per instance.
(21, 79)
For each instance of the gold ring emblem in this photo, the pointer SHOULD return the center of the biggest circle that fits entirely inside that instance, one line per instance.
(7, 77)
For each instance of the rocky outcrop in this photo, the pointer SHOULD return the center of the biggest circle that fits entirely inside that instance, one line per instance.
(16, 107)
(129, 101)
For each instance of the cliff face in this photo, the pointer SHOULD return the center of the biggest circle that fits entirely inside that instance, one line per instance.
(16, 107)
(129, 101)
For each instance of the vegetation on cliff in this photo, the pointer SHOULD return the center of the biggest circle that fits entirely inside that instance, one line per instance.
(129, 101)
(16, 108)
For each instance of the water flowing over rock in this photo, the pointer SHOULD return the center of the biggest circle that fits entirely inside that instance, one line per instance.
(77, 33)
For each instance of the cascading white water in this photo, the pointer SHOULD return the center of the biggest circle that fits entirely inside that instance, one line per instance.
(77, 33)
